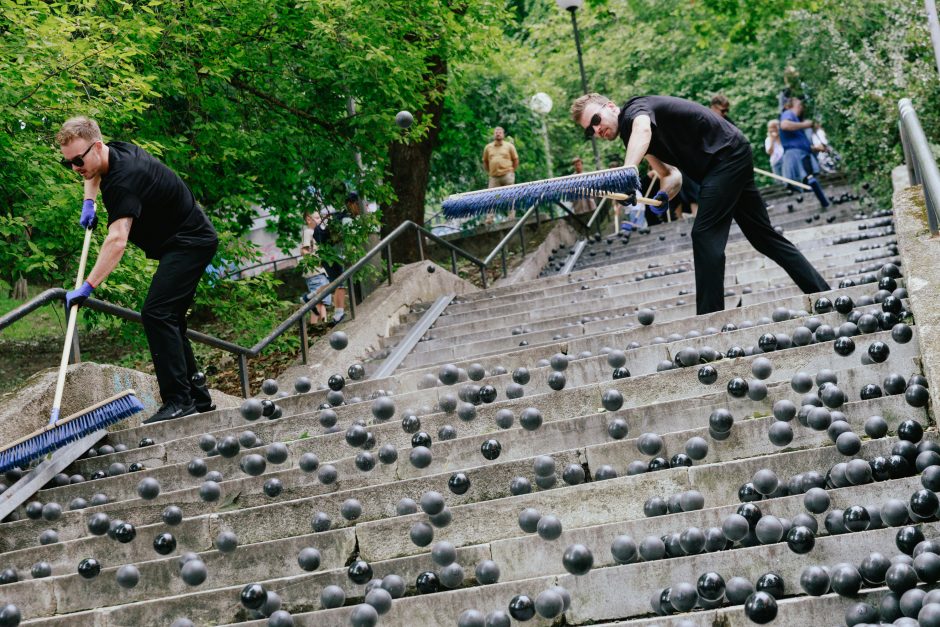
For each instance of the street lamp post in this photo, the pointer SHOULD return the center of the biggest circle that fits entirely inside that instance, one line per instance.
(572, 7)
(541, 104)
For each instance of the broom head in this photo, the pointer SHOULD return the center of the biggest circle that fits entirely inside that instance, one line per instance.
(69, 429)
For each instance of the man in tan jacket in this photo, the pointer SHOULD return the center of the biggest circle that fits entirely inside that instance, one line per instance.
(500, 160)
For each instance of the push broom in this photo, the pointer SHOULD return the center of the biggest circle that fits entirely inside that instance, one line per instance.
(60, 432)
(614, 183)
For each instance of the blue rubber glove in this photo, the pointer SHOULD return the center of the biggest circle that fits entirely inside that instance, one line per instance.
(79, 296)
(663, 198)
(88, 214)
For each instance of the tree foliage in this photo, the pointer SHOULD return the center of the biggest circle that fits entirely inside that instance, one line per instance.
(857, 57)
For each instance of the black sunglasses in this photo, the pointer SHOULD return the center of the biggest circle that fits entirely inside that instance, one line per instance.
(589, 131)
(76, 161)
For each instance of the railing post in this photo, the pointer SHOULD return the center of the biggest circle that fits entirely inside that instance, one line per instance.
(303, 339)
(502, 254)
(420, 245)
(352, 299)
(453, 261)
(522, 239)
(388, 262)
(243, 374)
(483, 275)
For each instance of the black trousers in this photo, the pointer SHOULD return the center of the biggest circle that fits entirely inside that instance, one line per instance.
(728, 192)
(164, 318)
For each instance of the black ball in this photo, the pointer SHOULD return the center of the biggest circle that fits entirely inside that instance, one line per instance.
(89, 568)
(760, 607)
(911, 431)
(801, 539)
(428, 583)
(124, 532)
(908, 537)
(737, 387)
(522, 607)
(253, 596)
(707, 374)
(164, 543)
(900, 577)
(459, 483)
(359, 572)
(490, 449)
(771, 583)
(844, 346)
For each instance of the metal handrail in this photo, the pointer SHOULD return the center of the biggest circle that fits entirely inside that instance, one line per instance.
(299, 317)
(921, 167)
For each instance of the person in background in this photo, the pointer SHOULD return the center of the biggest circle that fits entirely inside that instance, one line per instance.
(773, 147)
(582, 205)
(500, 160)
(827, 157)
(720, 105)
(334, 236)
(799, 163)
(314, 276)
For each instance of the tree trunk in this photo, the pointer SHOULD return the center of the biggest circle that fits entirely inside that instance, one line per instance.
(19, 291)
(410, 167)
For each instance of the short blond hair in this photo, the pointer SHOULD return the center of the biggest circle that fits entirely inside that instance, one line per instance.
(79, 127)
(577, 107)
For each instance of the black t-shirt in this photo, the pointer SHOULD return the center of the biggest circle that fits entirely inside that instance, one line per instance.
(685, 134)
(164, 209)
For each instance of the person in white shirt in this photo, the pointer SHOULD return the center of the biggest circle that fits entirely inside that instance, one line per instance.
(822, 149)
(773, 147)
(315, 276)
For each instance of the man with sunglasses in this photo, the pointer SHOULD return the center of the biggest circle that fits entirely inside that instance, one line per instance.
(150, 206)
(673, 134)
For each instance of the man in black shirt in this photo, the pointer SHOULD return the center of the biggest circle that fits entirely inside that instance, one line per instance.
(150, 206)
(675, 134)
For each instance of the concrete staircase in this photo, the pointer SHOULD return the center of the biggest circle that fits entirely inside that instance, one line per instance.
(534, 425)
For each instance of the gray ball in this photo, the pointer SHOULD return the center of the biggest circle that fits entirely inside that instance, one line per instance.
(894, 513)
(351, 509)
(471, 618)
(653, 548)
(761, 368)
(364, 615)
(406, 506)
(780, 433)
(380, 599)
(194, 572)
(549, 527)
(394, 584)
(649, 444)
(696, 448)
(498, 618)
(549, 604)
(735, 527)
(421, 534)
(769, 530)
(148, 488)
(691, 500)
(737, 590)
(332, 596)
(487, 572)
(816, 500)
(765, 481)
(544, 465)
(529, 519)
(443, 553)
(226, 542)
(432, 502)
(127, 576)
(623, 549)
(451, 576)
(309, 559)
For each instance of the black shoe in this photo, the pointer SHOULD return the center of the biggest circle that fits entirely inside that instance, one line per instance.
(171, 411)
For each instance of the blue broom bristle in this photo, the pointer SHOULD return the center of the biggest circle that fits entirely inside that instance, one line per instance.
(523, 196)
(67, 432)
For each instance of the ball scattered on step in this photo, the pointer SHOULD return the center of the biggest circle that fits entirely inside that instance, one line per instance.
(89, 568)
(127, 576)
(339, 341)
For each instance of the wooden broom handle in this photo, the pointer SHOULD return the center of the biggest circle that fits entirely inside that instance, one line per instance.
(784, 179)
(70, 330)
